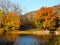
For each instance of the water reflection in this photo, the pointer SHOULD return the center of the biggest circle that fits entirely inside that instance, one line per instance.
(29, 40)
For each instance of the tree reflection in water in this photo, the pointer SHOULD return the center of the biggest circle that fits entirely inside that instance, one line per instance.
(29, 40)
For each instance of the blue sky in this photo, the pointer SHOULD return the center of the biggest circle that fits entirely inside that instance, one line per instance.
(31, 5)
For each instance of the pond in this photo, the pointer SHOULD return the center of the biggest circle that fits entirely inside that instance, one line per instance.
(29, 40)
(32, 40)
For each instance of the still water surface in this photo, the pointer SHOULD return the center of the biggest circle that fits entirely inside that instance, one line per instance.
(29, 40)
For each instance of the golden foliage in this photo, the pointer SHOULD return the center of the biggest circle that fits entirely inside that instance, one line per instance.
(12, 20)
(1, 15)
(1, 32)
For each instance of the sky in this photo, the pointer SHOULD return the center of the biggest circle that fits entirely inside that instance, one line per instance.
(32, 5)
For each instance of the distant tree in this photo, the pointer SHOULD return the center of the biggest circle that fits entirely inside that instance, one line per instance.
(11, 21)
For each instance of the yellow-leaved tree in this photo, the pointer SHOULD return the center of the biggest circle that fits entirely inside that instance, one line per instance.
(11, 21)
(2, 15)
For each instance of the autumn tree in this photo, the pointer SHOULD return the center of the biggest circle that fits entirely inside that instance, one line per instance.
(40, 20)
(11, 21)
(47, 18)
(1, 17)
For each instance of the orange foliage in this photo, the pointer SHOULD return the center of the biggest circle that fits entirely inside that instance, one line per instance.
(41, 12)
(48, 15)
(49, 10)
